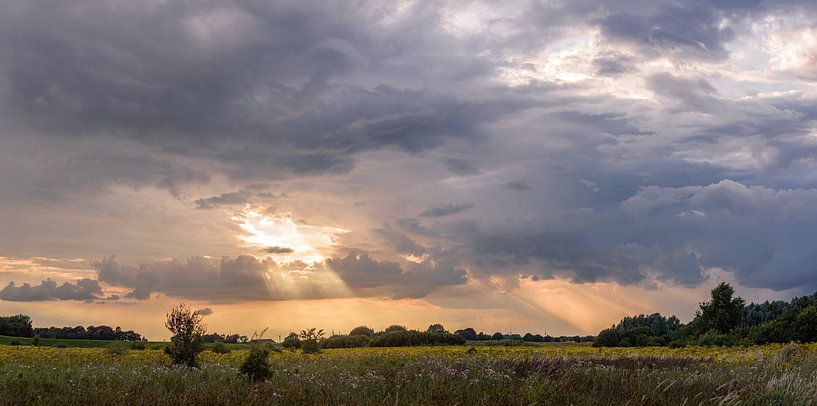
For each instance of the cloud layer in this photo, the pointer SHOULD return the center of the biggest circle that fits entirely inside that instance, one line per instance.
(458, 143)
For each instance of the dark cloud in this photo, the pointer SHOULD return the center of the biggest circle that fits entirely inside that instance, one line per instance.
(278, 250)
(518, 186)
(693, 94)
(238, 197)
(461, 167)
(204, 311)
(368, 276)
(445, 210)
(83, 289)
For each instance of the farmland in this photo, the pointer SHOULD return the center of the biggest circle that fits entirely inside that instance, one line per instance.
(543, 374)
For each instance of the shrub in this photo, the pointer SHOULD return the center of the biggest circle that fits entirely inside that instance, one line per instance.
(311, 346)
(350, 341)
(118, 348)
(220, 348)
(35, 341)
(414, 338)
(607, 338)
(256, 366)
(137, 345)
(394, 327)
(292, 342)
(187, 330)
(361, 331)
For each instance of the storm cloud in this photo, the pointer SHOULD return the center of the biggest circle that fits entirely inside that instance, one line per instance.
(440, 142)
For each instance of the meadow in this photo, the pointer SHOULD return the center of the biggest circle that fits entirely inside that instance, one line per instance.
(460, 375)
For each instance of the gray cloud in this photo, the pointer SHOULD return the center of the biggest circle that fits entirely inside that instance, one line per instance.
(445, 210)
(518, 186)
(83, 289)
(278, 250)
(204, 311)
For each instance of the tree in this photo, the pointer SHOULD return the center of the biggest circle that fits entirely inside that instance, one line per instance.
(16, 326)
(497, 336)
(467, 333)
(607, 338)
(187, 330)
(723, 313)
(395, 327)
(310, 340)
(436, 328)
(805, 325)
(362, 331)
(292, 341)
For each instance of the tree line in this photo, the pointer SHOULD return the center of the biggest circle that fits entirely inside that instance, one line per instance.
(723, 320)
(20, 326)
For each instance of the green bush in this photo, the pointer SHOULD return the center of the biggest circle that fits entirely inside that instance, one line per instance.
(186, 342)
(292, 342)
(137, 345)
(220, 348)
(351, 341)
(414, 338)
(311, 346)
(362, 331)
(256, 366)
(607, 338)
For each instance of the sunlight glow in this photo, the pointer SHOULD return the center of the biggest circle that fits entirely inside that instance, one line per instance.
(278, 234)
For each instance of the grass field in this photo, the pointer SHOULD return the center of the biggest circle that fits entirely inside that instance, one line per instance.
(544, 374)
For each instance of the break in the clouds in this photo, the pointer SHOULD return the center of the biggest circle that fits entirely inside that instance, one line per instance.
(276, 150)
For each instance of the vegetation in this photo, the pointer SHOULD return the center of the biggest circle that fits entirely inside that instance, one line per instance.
(187, 330)
(16, 326)
(553, 373)
(724, 320)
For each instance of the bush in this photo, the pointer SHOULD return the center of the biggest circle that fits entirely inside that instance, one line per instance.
(292, 342)
(220, 348)
(35, 341)
(415, 338)
(394, 328)
(137, 345)
(361, 331)
(118, 348)
(311, 346)
(607, 338)
(187, 330)
(256, 366)
(350, 341)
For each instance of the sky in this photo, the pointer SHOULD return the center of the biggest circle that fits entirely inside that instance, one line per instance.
(513, 166)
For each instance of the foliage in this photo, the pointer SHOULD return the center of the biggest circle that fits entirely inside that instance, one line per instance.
(89, 333)
(723, 312)
(311, 334)
(410, 338)
(220, 348)
(467, 333)
(362, 331)
(256, 366)
(311, 346)
(292, 341)
(394, 328)
(607, 338)
(436, 328)
(17, 326)
(187, 330)
(343, 341)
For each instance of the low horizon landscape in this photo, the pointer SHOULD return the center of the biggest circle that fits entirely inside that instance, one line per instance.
(493, 202)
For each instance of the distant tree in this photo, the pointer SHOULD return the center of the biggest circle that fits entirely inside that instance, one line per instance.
(362, 331)
(436, 328)
(723, 313)
(395, 327)
(497, 336)
(292, 341)
(467, 333)
(310, 340)
(311, 334)
(608, 337)
(805, 324)
(16, 326)
(483, 337)
(187, 330)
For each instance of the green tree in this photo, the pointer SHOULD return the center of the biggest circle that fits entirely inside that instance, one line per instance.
(805, 325)
(362, 331)
(436, 328)
(607, 338)
(723, 313)
(187, 330)
(395, 327)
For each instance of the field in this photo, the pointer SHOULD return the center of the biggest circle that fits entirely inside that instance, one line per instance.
(464, 375)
